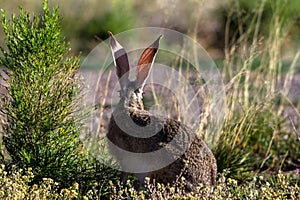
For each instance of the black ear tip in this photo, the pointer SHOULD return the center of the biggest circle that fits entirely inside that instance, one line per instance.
(159, 38)
(112, 39)
(156, 42)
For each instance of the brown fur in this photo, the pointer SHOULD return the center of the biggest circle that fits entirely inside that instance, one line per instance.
(197, 164)
(189, 154)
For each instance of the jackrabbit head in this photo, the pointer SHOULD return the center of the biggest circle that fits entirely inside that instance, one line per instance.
(132, 91)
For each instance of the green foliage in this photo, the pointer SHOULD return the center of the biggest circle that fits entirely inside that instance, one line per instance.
(42, 116)
(40, 130)
(118, 17)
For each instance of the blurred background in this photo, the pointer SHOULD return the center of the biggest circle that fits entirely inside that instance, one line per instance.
(86, 22)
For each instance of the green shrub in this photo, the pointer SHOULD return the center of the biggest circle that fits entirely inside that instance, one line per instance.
(41, 108)
(40, 130)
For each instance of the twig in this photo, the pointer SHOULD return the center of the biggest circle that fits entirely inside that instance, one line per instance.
(294, 128)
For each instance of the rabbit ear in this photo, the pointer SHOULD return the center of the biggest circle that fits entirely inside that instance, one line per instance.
(145, 63)
(120, 61)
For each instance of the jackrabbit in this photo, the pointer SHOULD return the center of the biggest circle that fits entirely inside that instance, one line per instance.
(188, 154)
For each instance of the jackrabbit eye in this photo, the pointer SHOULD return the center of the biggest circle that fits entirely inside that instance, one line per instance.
(137, 91)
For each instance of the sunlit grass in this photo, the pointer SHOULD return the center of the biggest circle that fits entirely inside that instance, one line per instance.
(16, 185)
